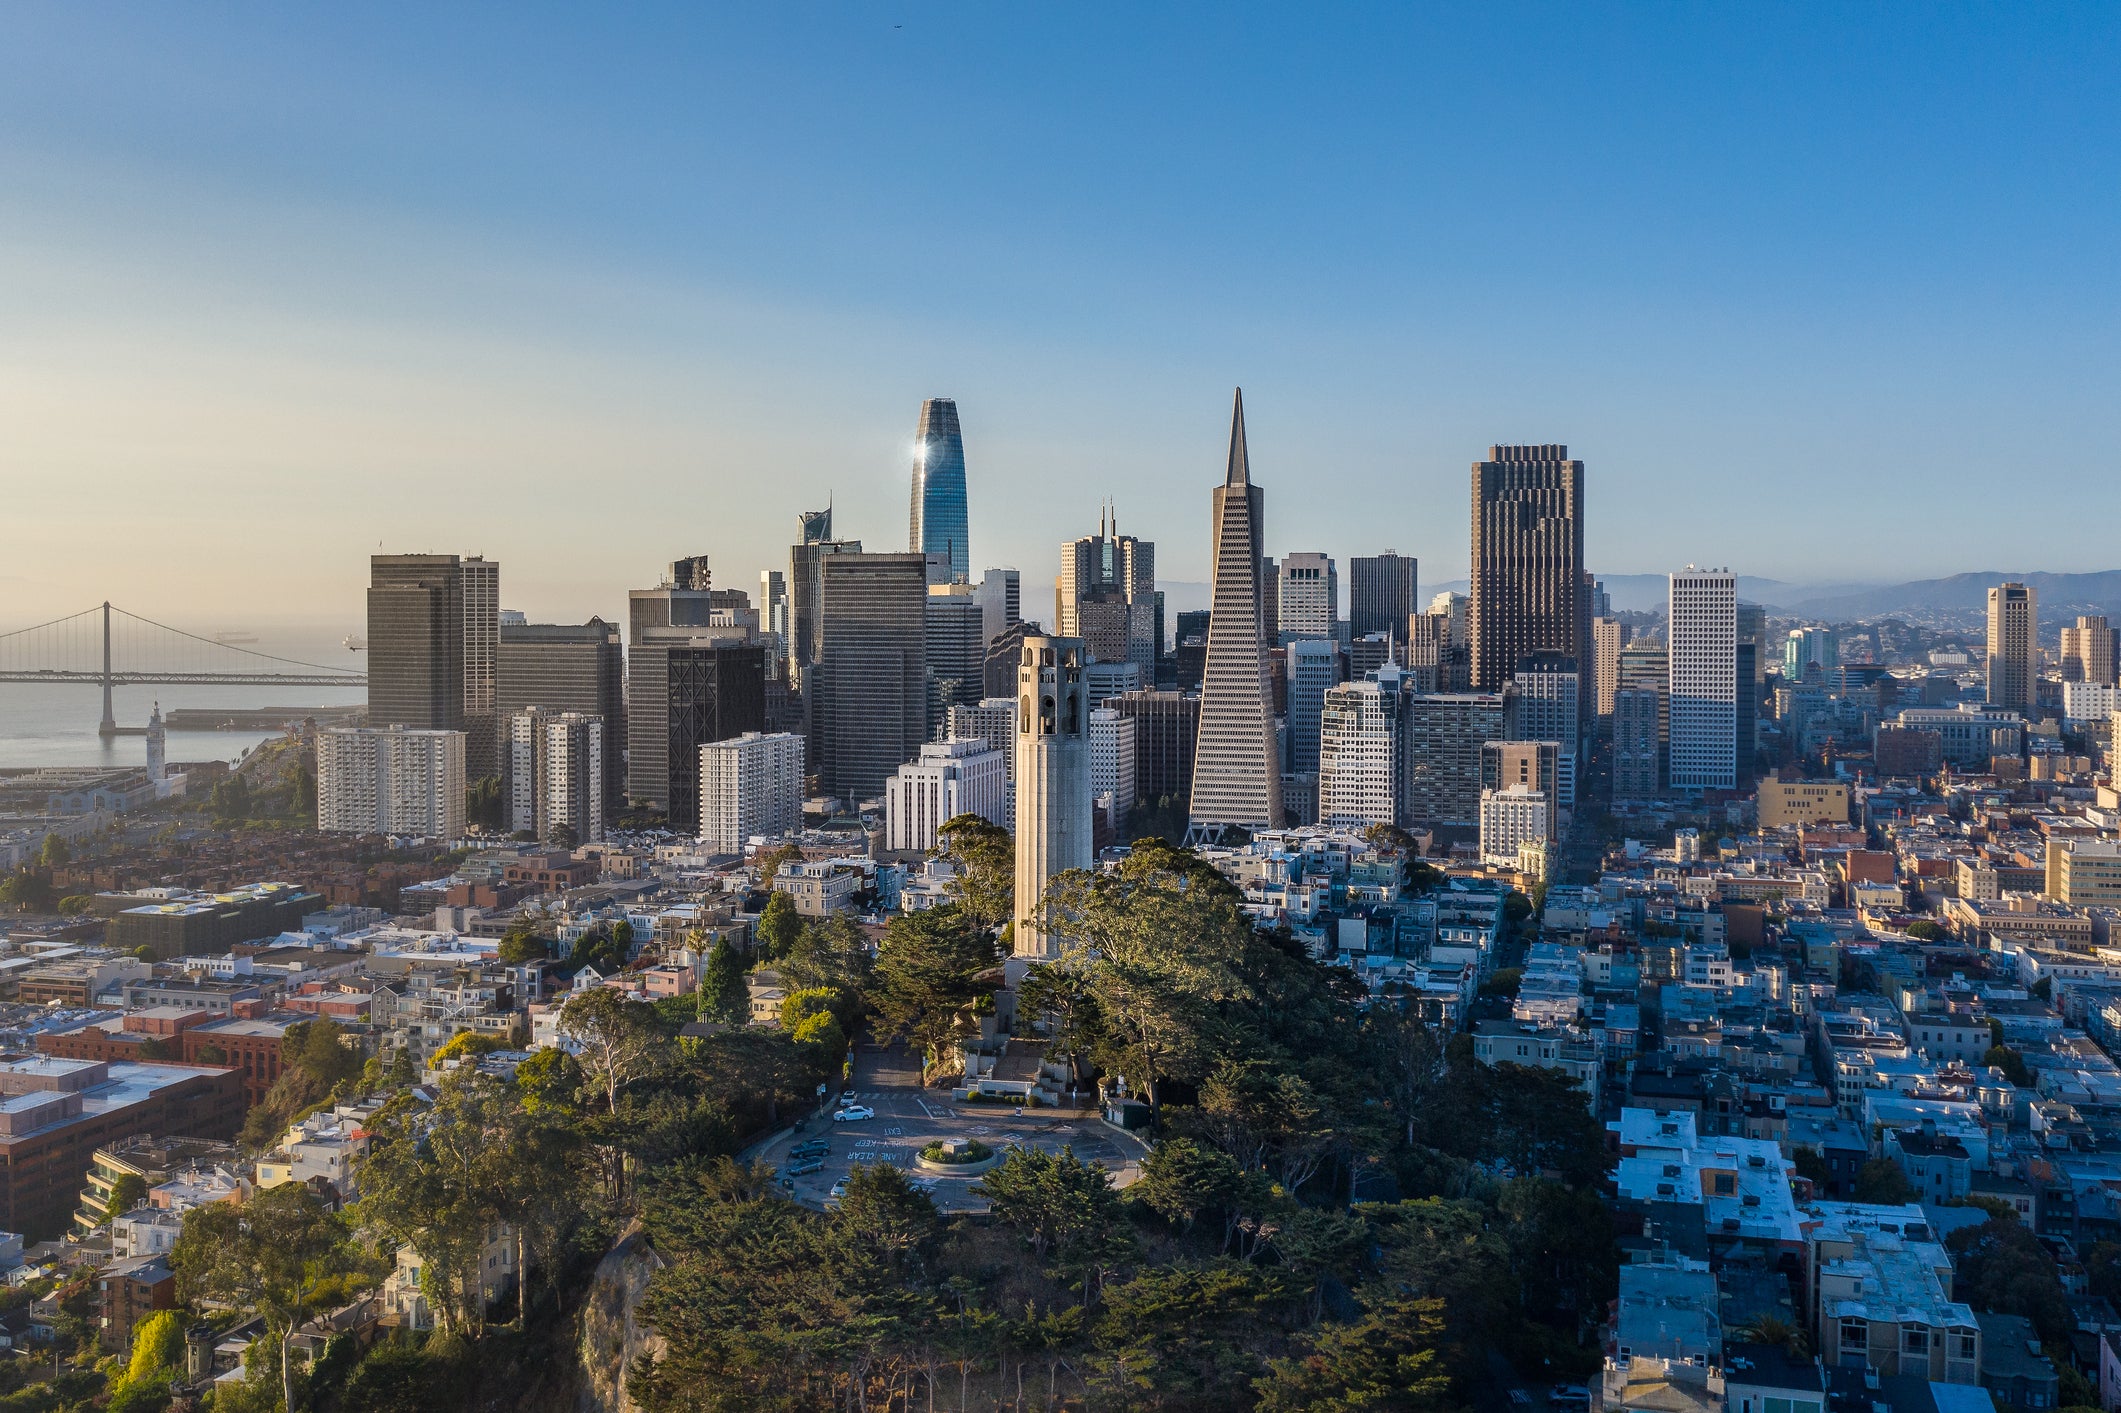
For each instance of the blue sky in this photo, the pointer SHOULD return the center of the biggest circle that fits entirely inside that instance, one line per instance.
(1821, 293)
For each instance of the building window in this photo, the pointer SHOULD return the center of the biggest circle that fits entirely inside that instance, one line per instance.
(1962, 1346)
(1855, 1334)
(1915, 1339)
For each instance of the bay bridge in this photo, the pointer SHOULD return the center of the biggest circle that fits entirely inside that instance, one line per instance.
(116, 648)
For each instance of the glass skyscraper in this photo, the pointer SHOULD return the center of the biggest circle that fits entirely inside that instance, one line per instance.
(938, 523)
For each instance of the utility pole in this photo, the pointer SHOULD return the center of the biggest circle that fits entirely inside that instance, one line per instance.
(109, 728)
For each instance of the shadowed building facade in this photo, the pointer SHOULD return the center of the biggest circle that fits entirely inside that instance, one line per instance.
(1528, 591)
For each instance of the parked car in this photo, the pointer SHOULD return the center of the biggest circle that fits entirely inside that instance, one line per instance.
(847, 1096)
(854, 1114)
(815, 1148)
(801, 1167)
(1569, 1395)
(839, 1190)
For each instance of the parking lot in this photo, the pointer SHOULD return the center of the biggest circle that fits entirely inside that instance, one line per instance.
(909, 1117)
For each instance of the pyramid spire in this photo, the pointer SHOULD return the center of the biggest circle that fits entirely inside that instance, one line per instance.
(1240, 473)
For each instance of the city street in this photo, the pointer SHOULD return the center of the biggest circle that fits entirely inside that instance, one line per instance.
(909, 1117)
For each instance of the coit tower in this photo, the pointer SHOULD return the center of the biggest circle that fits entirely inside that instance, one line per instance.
(1052, 782)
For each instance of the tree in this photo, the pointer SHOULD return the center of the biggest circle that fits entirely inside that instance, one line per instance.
(1182, 1180)
(1881, 1181)
(2011, 1063)
(723, 995)
(616, 1040)
(54, 853)
(1385, 1360)
(779, 926)
(834, 952)
(1063, 1206)
(484, 802)
(1923, 930)
(466, 1045)
(1774, 1330)
(521, 943)
(1190, 1334)
(1504, 981)
(273, 1254)
(932, 968)
(774, 860)
(985, 854)
(128, 1192)
(2000, 1266)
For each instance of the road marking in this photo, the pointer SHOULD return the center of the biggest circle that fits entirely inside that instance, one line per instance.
(893, 1132)
(865, 1143)
(925, 1109)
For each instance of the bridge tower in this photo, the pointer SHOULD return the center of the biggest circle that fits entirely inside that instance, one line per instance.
(109, 728)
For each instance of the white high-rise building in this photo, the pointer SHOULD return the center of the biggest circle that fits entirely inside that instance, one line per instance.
(1511, 818)
(390, 780)
(1453, 607)
(947, 779)
(1315, 666)
(1703, 674)
(750, 785)
(1053, 798)
(1112, 760)
(993, 720)
(556, 773)
(1000, 601)
(1310, 598)
(1358, 753)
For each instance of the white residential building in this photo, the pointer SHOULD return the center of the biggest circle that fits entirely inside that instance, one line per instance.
(1704, 680)
(556, 773)
(390, 780)
(1511, 818)
(750, 785)
(1358, 752)
(1112, 760)
(947, 779)
(992, 721)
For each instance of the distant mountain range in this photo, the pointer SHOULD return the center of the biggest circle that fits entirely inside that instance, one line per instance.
(2062, 596)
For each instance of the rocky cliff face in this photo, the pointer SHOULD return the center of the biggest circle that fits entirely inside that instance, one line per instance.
(612, 1337)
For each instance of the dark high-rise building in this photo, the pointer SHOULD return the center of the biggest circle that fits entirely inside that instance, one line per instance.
(867, 694)
(938, 523)
(1005, 654)
(1236, 766)
(1381, 594)
(1166, 726)
(578, 667)
(957, 650)
(805, 584)
(1748, 708)
(416, 641)
(695, 673)
(1528, 590)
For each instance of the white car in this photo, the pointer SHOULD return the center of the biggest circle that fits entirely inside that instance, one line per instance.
(854, 1114)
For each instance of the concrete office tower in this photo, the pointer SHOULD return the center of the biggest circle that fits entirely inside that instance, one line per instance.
(390, 780)
(416, 641)
(482, 654)
(1310, 598)
(1001, 602)
(1703, 622)
(556, 773)
(571, 667)
(806, 586)
(956, 650)
(1528, 765)
(157, 746)
(949, 778)
(750, 786)
(1752, 628)
(1546, 704)
(1455, 609)
(1527, 568)
(1510, 818)
(1316, 666)
(1637, 755)
(993, 720)
(938, 524)
(1112, 761)
(1236, 769)
(1608, 637)
(1106, 680)
(2013, 647)
(1358, 753)
(1381, 594)
(1440, 740)
(868, 694)
(1106, 595)
(695, 673)
(1053, 799)
(2088, 651)
(1166, 727)
(773, 620)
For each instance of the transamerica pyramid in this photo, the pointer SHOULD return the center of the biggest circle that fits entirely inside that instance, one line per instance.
(1236, 776)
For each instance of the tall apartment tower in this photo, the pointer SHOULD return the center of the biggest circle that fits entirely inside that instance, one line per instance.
(1382, 594)
(1113, 761)
(750, 785)
(1236, 775)
(694, 674)
(806, 586)
(773, 620)
(1637, 754)
(950, 778)
(416, 641)
(482, 655)
(1545, 703)
(1001, 603)
(1703, 615)
(1439, 765)
(1528, 592)
(1310, 597)
(867, 695)
(1316, 666)
(1608, 637)
(2013, 648)
(938, 523)
(956, 651)
(556, 773)
(2088, 651)
(571, 667)
(390, 780)
(1358, 753)
(1053, 801)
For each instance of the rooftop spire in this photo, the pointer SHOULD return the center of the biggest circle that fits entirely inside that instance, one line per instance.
(1240, 473)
